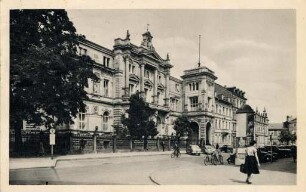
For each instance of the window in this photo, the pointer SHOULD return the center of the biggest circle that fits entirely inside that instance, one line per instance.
(194, 103)
(147, 74)
(131, 89)
(193, 86)
(146, 94)
(82, 120)
(105, 86)
(209, 102)
(158, 96)
(105, 121)
(96, 85)
(159, 78)
(106, 61)
(133, 69)
(130, 67)
(83, 51)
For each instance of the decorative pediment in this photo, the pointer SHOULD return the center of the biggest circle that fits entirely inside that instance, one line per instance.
(160, 86)
(133, 77)
(154, 55)
(148, 82)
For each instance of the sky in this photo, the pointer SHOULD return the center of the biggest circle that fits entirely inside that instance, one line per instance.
(254, 50)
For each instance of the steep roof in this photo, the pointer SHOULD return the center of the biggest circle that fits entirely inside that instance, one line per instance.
(245, 109)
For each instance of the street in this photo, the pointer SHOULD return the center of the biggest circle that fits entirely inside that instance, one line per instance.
(152, 170)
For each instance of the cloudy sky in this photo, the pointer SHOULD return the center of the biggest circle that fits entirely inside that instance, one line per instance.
(254, 50)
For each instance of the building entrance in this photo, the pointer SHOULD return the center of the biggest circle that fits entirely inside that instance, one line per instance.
(194, 136)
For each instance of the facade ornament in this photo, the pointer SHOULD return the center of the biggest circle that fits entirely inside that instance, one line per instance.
(127, 35)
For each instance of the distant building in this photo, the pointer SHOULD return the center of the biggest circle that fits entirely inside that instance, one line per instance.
(274, 130)
(290, 123)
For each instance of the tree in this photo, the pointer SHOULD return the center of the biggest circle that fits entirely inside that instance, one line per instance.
(182, 126)
(47, 75)
(286, 136)
(139, 122)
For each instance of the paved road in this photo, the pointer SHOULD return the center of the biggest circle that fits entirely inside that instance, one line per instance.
(151, 170)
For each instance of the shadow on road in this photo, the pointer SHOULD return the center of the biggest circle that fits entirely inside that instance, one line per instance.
(237, 181)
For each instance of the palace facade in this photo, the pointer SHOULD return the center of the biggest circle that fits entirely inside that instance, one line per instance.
(129, 68)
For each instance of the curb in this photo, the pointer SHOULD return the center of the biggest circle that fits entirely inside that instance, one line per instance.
(86, 158)
(153, 180)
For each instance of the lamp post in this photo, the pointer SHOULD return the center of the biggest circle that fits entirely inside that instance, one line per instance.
(271, 147)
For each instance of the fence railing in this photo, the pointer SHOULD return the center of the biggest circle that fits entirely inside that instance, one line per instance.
(77, 142)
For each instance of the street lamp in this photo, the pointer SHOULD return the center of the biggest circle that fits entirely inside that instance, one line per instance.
(271, 147)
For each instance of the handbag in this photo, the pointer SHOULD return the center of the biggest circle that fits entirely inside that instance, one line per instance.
(242, 168)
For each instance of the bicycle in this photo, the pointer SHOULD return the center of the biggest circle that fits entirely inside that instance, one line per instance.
(210, 158)
(176, 154)
(214, 158)
(219, 158)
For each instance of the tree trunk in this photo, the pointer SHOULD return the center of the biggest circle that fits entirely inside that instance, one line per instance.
(17, 125)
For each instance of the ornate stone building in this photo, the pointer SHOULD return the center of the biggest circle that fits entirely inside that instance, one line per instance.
(129, 68)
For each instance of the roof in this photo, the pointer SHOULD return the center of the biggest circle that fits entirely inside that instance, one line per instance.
(95, 46)
(245, 109)
(222, 94)
(276, 126)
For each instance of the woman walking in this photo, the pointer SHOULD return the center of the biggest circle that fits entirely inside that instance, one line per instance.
(251, 162)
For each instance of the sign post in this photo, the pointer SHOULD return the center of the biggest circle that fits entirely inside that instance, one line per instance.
(52, 140)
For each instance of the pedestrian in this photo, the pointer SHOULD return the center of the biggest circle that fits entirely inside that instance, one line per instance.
(163, 145)
(217, 146)
(41, 144)
(251, 165)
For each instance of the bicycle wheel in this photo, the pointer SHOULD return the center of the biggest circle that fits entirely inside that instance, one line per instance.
(178, 155)
(172, 155)
(206, 160)
(214, 160)
(221, 159)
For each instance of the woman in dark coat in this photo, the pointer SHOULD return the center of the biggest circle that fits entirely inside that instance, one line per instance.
(251, 164)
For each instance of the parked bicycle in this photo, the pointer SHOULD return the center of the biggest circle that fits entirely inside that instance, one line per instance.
(213, 158)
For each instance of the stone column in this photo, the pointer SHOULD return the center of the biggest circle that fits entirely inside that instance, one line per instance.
(155, 87)
(127, 75)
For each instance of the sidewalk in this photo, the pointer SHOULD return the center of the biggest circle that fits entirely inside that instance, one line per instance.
(46, 162)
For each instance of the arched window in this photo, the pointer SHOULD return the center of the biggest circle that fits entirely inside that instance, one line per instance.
(105, 120)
